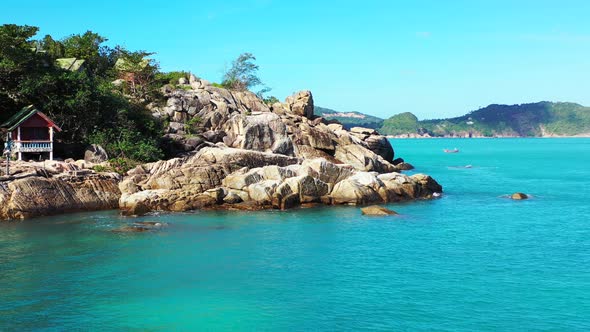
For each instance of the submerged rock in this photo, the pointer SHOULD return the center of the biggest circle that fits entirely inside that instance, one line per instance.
(519, 196)
(376, 210)
(141, 226)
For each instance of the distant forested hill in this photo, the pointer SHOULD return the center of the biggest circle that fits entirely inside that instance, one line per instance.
(350, 119)
(535, 119)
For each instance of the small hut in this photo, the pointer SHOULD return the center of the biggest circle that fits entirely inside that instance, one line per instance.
(71, 64)
(128, 69)
(31, 132)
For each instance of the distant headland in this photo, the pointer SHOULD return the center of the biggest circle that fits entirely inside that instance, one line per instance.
(542, 119)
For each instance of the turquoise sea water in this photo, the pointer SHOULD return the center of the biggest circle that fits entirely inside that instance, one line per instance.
(470, 261)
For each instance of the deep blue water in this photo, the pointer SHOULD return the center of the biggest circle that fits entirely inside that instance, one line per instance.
(470, 261)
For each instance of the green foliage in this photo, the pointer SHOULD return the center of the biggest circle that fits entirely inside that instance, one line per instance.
(127, 144)
(400, 124)
(18, 60)
(217, 85)
(243, 73)
(83, 103)
(139, 72)
(89, 47)
(171, 77)
(122, 165)
(100, 168)
(192, 125)
(271, 100)
(260, 93)
(53, 48)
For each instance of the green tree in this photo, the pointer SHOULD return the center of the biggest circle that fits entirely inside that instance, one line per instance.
(72, 99)
(99, 58)
(243, 73)
(271, 100)
(54, 48)
(139, 72)
(85, 103)
(18, 59)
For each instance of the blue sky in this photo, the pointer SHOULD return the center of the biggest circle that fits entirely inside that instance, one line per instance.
(433, 58)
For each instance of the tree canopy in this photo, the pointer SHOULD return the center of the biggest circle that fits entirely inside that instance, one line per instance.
(243, 73)
(84, 103)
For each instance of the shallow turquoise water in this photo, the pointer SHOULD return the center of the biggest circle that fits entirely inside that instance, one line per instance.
(470, 261)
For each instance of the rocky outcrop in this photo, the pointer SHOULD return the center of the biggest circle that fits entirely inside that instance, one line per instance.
(200, 115)
(224, 176)
(247, 154)
(30, 196)
(301, 103)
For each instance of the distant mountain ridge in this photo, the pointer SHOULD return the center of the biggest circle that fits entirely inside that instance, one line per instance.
(542, 119)
(350, 119)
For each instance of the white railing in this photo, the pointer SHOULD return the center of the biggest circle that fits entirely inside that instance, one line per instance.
(33, 146)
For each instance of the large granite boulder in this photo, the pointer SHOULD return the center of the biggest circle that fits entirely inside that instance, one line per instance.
(95, 154)
(381, 146)
(362, 158)
(261, 132)
(301, 103)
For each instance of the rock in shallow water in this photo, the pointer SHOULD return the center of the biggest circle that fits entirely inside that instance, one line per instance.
(519, 196)
(376, 210)
(403, 166)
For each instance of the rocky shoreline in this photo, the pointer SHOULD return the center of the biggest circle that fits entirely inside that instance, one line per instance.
(232, 152)
(220, 177)
(55, 189)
